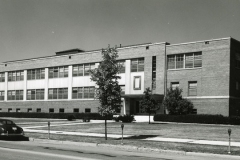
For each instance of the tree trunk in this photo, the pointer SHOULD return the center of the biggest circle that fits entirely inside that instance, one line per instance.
(106, 128)
(149, 117)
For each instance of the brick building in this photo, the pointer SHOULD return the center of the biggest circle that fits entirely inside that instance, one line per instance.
(207, 71)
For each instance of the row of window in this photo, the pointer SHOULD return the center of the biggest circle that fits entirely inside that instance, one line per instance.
(188, 60)
(192, 87)
(53, 93)
(137, 65)
(51, 110)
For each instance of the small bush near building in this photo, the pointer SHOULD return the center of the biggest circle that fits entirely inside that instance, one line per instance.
(71, 117)
(175, 104)
(205, 119)
(125, 118)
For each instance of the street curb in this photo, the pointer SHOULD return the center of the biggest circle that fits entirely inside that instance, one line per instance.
(134, 148)
(212, 155)
(63, 142)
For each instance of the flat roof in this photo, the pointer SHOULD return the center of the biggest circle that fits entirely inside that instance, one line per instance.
(63, 53)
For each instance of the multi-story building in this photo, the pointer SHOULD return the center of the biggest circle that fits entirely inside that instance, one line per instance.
(207, 71)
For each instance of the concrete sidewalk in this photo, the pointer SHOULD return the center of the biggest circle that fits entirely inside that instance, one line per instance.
(158, 138)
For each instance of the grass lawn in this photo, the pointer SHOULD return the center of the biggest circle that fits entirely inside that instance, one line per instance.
(173, 130)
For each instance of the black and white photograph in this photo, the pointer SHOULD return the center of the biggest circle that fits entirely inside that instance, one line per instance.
(119, 79)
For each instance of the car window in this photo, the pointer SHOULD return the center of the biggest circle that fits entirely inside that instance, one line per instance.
(9, 122)
(6, 122)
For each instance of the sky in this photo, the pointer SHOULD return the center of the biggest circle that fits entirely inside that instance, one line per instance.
(38, 28)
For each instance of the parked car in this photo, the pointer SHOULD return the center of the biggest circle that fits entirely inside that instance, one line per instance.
(8, 128)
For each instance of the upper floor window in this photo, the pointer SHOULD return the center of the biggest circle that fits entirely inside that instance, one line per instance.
(2, 77)
(122, 64)
(58, 72)
(2, 94)
(137, 65)
(83, 92)
(237, 60)
(35, 94)
(36, 74)
(15, 95)
(188, 60)
(82, 69)
(15, 76)
(154, 68)
(192, 88)
(58, 93)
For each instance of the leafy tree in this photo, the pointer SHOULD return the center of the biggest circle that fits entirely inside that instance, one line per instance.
(108, 90)
(148, 103)
(175, 104)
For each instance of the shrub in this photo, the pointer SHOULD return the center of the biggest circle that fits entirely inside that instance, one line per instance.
(115, 118)
(126, 118)
(175, 104)
(71, 117)
(53, 115)
(205, 119)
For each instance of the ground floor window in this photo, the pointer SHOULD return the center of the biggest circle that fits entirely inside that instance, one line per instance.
(76, 110)
(29, 110)
(18, 110)
(61, 110)
(38, 110)
(87, 110)
(174, 85)
(192, 88)
(51, 110)
(9, 109)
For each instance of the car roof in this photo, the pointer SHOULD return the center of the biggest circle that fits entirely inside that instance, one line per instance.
(4, 120)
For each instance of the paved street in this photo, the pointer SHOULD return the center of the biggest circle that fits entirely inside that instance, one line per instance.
(28, 150)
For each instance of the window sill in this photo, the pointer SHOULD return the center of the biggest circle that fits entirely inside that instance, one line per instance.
(16, 81)
(35, 79)
(184, 69)
(81, 76)
(57, 77)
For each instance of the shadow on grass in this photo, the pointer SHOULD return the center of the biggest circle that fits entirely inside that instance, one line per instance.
(158, 123)
(138, 137)
(16, 138)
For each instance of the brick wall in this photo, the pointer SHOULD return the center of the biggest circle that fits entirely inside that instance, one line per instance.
(234, 77)
(211, 106)
(45, 105)
(212, 79)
